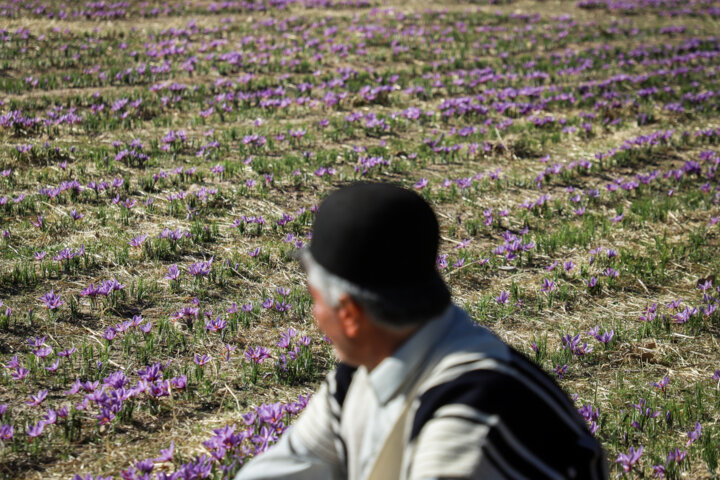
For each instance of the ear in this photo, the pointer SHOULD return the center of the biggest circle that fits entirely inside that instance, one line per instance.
(351, 316)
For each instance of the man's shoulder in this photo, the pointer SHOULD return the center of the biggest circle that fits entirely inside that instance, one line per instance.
(501, 385)
(517, 404)
(472, 366)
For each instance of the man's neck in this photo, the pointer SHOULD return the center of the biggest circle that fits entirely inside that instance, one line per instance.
(384, 343)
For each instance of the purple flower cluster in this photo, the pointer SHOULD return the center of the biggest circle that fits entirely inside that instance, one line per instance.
(228, 447)
(513, 246)
(102, 289)
(122, 328)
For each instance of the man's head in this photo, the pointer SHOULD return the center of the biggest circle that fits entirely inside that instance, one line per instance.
(373, 254)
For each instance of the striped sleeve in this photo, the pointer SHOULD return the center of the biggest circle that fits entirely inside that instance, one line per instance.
(502, 419)
(318, 427)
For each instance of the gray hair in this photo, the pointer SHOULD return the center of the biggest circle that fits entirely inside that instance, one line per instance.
(380, 310)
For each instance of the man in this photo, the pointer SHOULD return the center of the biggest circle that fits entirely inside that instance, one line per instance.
(420, 391)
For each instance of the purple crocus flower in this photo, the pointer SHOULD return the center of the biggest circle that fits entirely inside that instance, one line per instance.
(694, 434)
(463, 244)
(215, 325)
(116, 380)
(51, 300)
(201, 360)
(610, 273)
(52, 368)
(150, 373)
(145, 466)
(6, 432)
(166, 455)
(588, 413)
(606, 337)
(37, 399)
(662, 384)
(249, 418)
(36, 430)
(649, 313)
(684, 316)
(503, 298)
(13, 363)
(82, 405)
(560, 370)
(675, 304)
(91, 291)
(109, 334)
(19, 373)
(228, 351)
(282, 306)
(271, 413)
(286, 339)
(67, 352)
(676, 455)
(187, 312)
(263, 439)
(76, 215)
(50, 417)
(225, 438)
(105, 416)
(257, 354)
(547, 285)
(43, 352)
(442, 262)
(628, 460)
(89, 386)
(658, 471)
(179, 382)
(111, 286)
(138, 241)
(200, 268)
(36, 342)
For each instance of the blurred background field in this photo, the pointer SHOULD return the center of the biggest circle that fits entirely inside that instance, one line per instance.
(161, 161)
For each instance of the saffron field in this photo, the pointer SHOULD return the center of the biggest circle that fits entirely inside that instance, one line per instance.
(161, 161)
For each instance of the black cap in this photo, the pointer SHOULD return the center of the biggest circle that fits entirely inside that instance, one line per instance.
(385, 239)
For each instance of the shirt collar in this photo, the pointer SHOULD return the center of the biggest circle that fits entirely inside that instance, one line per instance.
(390, 374)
